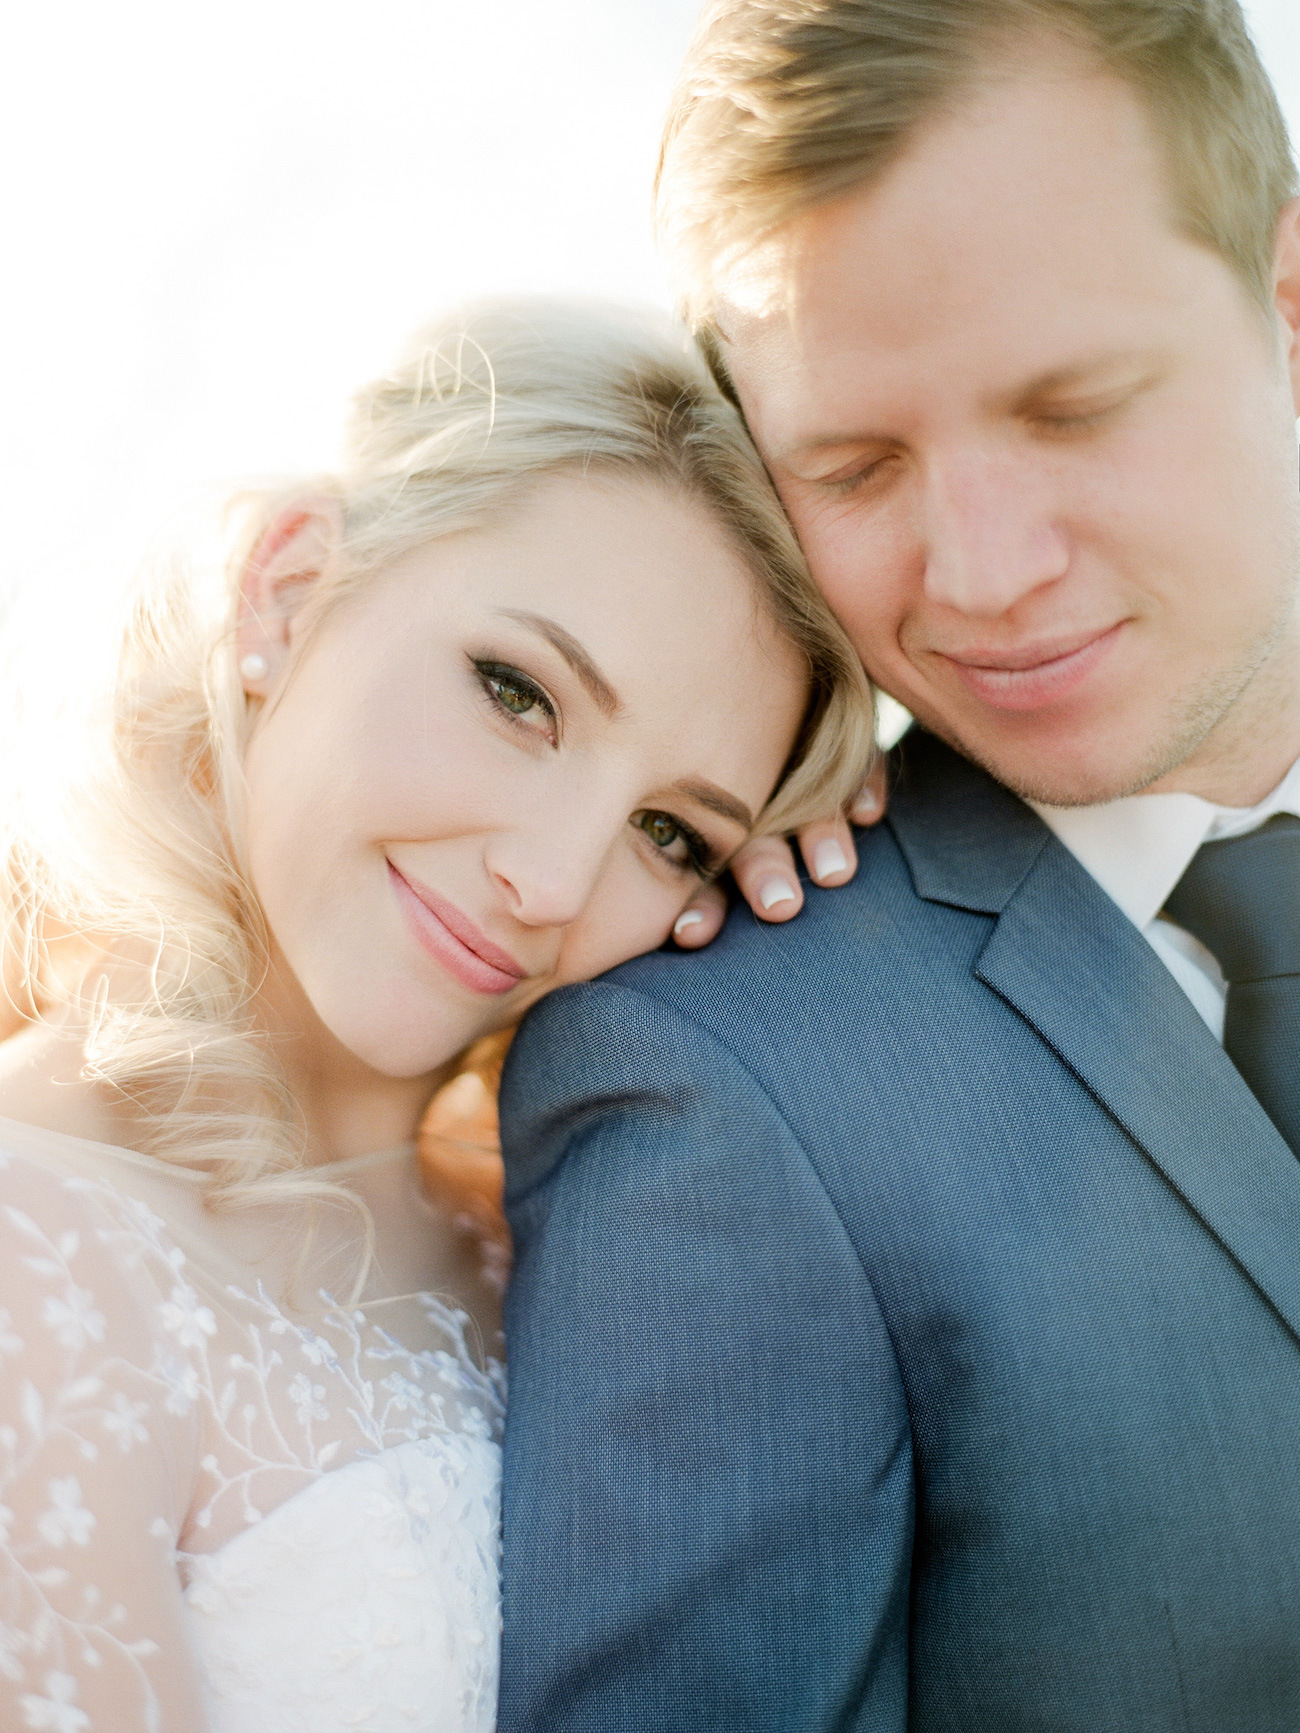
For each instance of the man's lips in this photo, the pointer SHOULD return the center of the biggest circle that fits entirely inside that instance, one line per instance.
(452, 939)
(1032, 676)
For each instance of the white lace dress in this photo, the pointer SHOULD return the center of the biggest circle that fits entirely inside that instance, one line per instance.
(220, 1514)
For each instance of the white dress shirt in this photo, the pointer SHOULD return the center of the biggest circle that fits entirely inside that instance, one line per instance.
(1137, 849)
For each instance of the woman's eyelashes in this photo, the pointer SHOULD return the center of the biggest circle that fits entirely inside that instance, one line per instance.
(677, 842)
(518, 698)
(520, 701)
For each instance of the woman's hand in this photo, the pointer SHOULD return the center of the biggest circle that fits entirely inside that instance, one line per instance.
(766, 874)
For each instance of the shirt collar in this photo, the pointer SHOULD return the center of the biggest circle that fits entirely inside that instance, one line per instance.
(1138, 848)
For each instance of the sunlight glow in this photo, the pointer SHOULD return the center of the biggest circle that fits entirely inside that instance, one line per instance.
(220, 220)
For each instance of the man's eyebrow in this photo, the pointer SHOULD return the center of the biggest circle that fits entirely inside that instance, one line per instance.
(826, 442)
(717, 800)
(606, 698)
(1120, 362)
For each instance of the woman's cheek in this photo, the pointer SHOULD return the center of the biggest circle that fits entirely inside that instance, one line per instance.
(620, 924)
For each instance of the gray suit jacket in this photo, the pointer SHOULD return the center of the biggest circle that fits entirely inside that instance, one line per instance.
(906, 1326)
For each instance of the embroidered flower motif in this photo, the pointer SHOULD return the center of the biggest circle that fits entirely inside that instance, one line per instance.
(308, 1399)
(181, 1379)
(280, 1403)
(317, 1350)
(186, 1319)
(123, 1421)
(56, 1712)
(407, 1396)
(74, 1319)
(67, 1519)
(12, 1644)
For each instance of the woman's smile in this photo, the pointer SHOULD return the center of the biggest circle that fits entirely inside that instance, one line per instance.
(452, 939)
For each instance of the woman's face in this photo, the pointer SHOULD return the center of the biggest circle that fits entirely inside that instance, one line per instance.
(507, 761)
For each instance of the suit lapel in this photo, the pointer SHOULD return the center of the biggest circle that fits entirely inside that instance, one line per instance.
(1069, 962)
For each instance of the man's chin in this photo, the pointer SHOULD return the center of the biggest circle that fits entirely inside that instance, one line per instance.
(1041, 786)
(1076, 772)
(1125, 738)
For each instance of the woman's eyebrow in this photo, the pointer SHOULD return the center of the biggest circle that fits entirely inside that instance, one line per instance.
(697, 788)
(717, 800)
(606, 698)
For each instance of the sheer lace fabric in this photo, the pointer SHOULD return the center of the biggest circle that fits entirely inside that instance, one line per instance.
(216, 1511)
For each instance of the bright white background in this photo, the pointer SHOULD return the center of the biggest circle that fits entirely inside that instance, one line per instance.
(217, 220)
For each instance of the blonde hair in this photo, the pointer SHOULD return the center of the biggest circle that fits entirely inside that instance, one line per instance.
(784, 105)
(151, 868)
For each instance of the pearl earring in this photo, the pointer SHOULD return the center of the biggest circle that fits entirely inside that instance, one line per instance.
(254, 667)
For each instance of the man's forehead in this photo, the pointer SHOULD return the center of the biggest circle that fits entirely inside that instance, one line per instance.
(758, 285)
(1053, 157)
(945, 272)
(806, 387)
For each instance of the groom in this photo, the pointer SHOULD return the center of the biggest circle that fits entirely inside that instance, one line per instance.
(906, 1326)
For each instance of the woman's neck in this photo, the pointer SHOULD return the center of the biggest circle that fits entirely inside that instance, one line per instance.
(347, 1108)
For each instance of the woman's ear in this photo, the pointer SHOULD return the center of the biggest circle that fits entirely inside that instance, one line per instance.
(297, 549)
(1286, 290)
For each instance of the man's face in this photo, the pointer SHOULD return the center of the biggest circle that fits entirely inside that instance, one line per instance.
(1040, 449)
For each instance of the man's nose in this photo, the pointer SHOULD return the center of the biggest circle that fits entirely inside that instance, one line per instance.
(989, 534)
(547, 866)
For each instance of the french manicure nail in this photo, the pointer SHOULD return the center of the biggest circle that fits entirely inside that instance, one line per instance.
(865, 806)
(691, 918)
(828, 859)
(774, 891)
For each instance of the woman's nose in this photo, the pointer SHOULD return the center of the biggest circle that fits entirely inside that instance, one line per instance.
(547, 871)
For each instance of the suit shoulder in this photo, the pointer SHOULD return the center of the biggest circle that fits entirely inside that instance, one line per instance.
(877, 920)
(761, 994)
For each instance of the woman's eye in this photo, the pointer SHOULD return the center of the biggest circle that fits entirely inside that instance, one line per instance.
(675, 840)
(518, 696)
(661, 830)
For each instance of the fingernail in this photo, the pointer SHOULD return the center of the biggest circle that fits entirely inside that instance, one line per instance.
(865, 806)
(692, 918)
(828, 859)
(774, 891)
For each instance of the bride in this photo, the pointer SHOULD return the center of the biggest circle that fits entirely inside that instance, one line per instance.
(474, 718)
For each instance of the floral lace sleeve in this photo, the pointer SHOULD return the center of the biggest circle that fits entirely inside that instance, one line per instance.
(98, 1444)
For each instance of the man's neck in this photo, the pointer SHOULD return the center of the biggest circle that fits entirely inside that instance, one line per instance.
(1244, 781)
(1252, 747)
(1235, 773)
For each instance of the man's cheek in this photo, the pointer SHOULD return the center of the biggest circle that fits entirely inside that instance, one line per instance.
(868, 612)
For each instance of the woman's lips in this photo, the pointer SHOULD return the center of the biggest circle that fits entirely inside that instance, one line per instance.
(1032, 678)
(453, 940)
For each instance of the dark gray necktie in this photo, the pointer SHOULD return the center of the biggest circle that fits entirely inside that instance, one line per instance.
(1241, 899)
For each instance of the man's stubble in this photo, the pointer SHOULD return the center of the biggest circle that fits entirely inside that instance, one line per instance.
(1211, 724)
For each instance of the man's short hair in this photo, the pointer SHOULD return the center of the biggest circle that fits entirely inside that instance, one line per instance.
(783, 105)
